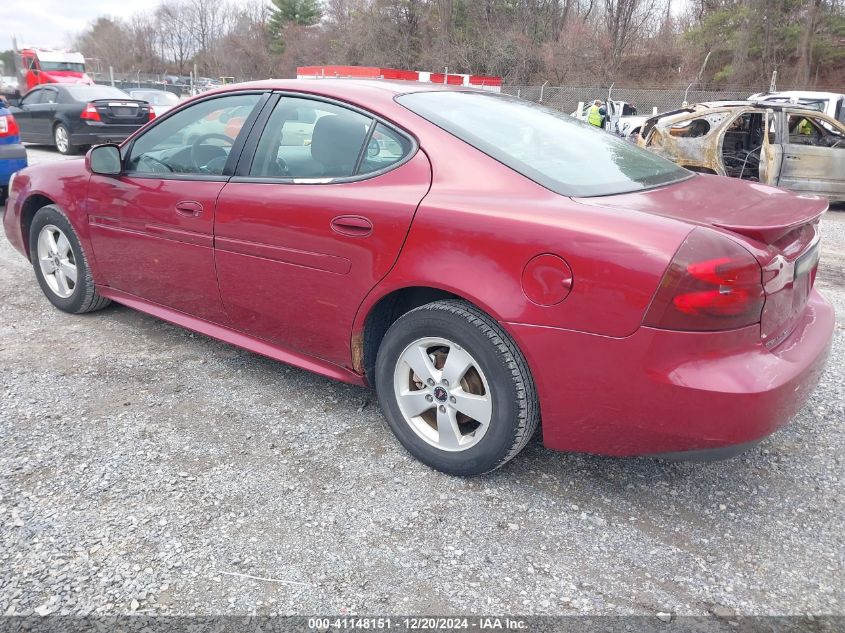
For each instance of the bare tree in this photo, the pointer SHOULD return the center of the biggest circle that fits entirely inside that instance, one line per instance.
(522, 40)
(625, 21)
(177, 37)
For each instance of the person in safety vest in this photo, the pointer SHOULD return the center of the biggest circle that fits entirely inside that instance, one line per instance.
(805, 128)
(596, 114)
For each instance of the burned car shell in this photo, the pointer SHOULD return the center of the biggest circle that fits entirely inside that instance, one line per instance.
(726, 138)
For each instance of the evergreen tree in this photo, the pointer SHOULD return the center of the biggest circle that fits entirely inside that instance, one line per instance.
(285, 12)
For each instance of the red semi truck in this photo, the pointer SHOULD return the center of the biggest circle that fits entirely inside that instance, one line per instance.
(36, 66)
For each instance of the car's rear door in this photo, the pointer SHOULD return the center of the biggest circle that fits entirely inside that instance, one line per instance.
(152, 228)
(315, 216)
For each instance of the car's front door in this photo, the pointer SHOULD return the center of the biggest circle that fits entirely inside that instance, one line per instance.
(312, 221)
(771, 152)
(152, 228)
(24, 115)
(813, 156)
(44, 112)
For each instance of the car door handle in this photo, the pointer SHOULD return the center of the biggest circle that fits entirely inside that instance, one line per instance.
(189, 208)
(352, 225)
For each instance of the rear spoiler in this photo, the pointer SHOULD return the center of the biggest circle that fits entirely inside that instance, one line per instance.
(771, 233)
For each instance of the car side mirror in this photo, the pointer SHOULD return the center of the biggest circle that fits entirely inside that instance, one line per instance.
(104, 160)
(373, 149)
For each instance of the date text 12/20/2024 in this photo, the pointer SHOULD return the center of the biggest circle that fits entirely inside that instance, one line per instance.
(416, 624)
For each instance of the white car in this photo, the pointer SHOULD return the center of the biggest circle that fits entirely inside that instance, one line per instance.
(9, 82)
(831, 103)
(160, 100)
(622, 118)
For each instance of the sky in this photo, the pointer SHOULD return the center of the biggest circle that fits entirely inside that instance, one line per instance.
(54, 23)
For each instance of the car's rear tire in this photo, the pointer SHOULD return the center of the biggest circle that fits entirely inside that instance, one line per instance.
(60, 264)
(455, 388)
(61, 139)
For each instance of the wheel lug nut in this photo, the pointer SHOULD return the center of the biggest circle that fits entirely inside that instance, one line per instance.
(453, 399)
(442, 408)
(444, 382)
(430, 382)
(428, 397)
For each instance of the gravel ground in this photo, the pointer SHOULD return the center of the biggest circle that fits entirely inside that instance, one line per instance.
(145, 468)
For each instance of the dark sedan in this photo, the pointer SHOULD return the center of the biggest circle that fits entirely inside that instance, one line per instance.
(73, 116)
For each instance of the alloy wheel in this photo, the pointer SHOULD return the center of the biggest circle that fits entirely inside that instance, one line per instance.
(443, 394)
(62, 140)
(57, 262)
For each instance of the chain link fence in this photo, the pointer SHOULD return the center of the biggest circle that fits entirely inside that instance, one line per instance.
(564, 98)
(646, 100)
(177, 84)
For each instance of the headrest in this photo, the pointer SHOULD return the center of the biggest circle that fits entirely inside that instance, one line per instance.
(336, 143)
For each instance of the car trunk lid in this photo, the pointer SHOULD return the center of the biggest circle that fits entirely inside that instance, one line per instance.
(778, 227)
(122, 111)
(760, 212)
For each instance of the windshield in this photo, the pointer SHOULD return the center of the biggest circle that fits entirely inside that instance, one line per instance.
(92, 93)
(70, 66)
(551, 148)
(156, 97)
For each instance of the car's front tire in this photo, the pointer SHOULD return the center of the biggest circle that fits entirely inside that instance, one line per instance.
(62, 141)
(60, 264)
(455, 388)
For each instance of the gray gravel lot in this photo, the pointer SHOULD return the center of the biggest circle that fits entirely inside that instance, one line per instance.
(144, 468)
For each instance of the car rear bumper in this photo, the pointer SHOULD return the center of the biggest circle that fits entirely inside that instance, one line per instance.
(12, 159)
(659, 392)
(97, 133)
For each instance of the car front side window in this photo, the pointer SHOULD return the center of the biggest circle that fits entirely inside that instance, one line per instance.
(195, 141)
(32, 98)
(810, 130)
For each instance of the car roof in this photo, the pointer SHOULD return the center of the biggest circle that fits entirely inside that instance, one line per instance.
(337, 87)
(339, 83)
(372, 94)
(800, 94)
(700, 109)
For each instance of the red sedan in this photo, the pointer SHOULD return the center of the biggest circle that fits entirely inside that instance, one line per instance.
(483, 262)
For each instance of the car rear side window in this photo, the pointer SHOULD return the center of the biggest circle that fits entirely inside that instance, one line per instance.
(305, 139)
(549, 147)
(384, 149)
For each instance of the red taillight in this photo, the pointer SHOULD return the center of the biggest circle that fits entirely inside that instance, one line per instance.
(713, 283)
(152, 114)
(90, 113)
(8, 125)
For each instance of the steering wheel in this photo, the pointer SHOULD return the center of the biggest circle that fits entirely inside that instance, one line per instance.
(199, 141)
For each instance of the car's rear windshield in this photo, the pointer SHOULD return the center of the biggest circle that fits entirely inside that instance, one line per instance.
(551, 148)
(92, 93)
(156, 97)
